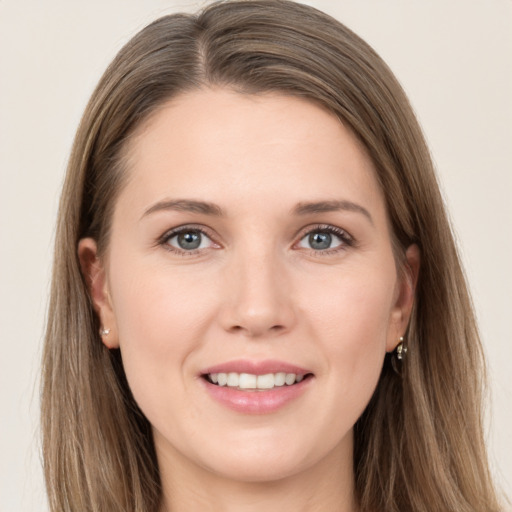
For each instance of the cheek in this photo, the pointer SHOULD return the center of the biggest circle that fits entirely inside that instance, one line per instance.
(352, 330)
(354, 303)
(351, 322)
(160, 319)
(154, 301)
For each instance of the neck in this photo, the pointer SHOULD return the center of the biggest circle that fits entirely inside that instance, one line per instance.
(327, 485)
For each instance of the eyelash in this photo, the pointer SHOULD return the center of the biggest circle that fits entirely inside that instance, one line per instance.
(164, 239)
(346, 239)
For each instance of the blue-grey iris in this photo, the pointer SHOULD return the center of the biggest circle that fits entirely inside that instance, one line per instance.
(320, 241)
(189, 240)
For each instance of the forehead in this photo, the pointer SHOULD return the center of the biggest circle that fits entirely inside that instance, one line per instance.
(233, 147)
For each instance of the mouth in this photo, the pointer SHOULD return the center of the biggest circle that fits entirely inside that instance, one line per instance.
(256, 387)
(255, 382)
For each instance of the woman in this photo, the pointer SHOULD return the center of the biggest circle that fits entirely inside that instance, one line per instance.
(263, 302)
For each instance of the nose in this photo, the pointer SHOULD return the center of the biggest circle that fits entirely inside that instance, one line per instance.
(258, 299)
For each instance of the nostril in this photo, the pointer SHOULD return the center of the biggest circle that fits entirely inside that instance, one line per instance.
(257, 330)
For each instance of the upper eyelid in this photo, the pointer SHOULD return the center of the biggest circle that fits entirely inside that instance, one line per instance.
(323, 227)
(184, 228)
(347, 240)
(163, 241)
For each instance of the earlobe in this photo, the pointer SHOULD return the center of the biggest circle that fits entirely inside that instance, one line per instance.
(405, 297)
(96, 279)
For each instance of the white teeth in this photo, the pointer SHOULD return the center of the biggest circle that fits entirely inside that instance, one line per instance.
(250, 381)
(265, 381)
(247, 381)
(279, 379)
(233, 379)
(290, 378)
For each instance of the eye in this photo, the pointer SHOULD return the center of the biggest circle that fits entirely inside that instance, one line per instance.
(328, 238)
(187, 240)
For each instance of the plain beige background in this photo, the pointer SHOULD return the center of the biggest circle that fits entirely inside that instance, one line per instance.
(454, 58)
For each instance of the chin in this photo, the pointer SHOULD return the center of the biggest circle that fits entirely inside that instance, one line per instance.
(269, 458)
(259, 469)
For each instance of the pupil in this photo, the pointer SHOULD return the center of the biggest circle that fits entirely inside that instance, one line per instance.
(189, 240)
(320, 240)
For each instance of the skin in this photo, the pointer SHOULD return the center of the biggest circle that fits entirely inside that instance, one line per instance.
(255, 289)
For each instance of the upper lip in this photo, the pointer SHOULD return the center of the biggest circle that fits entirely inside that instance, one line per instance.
(255, 367)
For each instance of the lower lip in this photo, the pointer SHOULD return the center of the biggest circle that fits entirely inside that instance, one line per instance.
(256, 402)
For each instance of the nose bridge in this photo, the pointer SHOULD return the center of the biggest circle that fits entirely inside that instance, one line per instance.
(258, 299)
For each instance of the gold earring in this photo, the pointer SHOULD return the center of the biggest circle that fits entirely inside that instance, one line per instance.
(401, 349)
(398, 355)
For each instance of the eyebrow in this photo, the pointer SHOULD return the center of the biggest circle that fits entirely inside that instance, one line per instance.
(186, 205)
(331, 206)
(207, 208)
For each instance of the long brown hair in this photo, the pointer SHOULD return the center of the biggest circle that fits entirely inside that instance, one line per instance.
(419, 444)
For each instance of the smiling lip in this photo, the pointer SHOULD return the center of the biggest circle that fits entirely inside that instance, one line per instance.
(255, 367)
(252, 401)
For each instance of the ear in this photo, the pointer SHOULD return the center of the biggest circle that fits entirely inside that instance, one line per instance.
(405, 293)
(95, 276)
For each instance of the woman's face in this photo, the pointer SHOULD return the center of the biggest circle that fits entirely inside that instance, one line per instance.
(250, 245)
